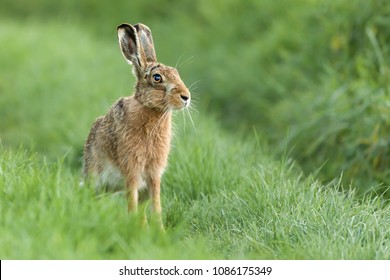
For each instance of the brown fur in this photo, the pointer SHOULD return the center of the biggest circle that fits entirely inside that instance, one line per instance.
(133, 140)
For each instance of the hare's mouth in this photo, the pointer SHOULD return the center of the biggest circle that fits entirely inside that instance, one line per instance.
(185, 99)
(184, 104)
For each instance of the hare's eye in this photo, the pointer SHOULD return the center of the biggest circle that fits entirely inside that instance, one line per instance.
(157, 78)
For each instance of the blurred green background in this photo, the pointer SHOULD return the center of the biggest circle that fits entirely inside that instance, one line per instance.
(311, 76)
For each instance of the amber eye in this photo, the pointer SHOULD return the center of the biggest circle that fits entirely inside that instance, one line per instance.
(157, 78)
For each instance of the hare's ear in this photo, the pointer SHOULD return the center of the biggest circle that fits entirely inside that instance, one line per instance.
(146, 40)
(131, 48)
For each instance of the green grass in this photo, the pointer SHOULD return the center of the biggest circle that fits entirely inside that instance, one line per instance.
(222, 198)
(229, 192)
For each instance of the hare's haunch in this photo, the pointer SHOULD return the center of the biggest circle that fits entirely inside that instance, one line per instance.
(131, 143)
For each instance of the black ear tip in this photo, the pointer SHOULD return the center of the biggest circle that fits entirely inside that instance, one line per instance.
(125, 26)
(121, 26)
(136, 26)
(140, 26)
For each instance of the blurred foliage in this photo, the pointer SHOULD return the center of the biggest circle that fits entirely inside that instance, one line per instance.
(312, 75)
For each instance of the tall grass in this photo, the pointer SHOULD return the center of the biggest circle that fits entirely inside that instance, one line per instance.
(234, 203)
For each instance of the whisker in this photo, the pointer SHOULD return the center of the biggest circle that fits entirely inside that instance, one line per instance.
(185, 61)
(178, 61)
(194, 83)
(192, 108)
(192, 90)
(189, 115)
(184, 120)
(194, 98)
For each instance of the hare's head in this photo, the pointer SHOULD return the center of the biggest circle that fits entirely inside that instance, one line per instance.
(159, 87)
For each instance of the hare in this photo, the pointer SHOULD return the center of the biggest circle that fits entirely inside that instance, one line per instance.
(129, 146)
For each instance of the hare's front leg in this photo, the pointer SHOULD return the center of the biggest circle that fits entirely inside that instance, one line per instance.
(132, 185)
(153, 182)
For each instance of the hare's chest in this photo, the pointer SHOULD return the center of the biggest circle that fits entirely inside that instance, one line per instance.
(156, 149)
(145, 148)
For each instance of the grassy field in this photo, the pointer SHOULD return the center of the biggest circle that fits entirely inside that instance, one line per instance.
(280, 116)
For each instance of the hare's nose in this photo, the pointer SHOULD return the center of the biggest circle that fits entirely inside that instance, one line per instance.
(184, 97)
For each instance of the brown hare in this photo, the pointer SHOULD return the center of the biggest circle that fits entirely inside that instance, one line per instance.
(131, 143)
